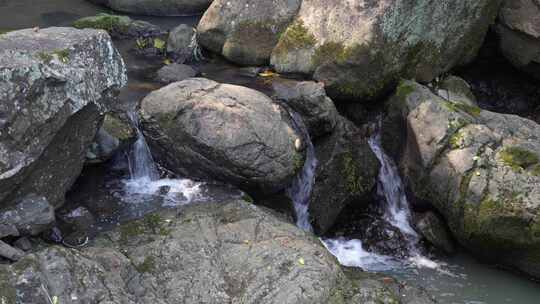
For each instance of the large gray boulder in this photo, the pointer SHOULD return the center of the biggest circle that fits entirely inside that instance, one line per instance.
(245, 31)
(208, 253)
(480, 169)
(519, 31)
(359, 49)
(157, 8)
(200, 128)
(55, 83)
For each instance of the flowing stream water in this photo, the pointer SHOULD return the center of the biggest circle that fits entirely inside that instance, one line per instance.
(459, 279)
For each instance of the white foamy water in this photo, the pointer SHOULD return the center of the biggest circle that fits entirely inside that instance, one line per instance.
(351, 253)
(174, 192)
(145, 182)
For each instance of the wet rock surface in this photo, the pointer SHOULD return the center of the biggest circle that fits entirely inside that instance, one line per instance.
(175, 72)
(70, 77)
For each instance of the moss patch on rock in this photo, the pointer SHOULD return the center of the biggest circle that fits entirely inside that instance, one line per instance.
(147, 266)
(295, 37)
(461, 107)
(105, 22)
(519, 158)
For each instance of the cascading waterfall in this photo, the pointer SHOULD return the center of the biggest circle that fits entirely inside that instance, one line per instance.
(389, 187)
(145, 179)
(300, 190)
(141, 163)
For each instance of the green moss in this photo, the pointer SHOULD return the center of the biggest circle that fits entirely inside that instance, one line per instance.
(62, 55)
(109, 23)
(160, 44)
(155, 224)
(4, 31)
(147, 266)
(535, 170)
(461, 107)
(329, 52)
(131, 230)
(247, 198)
(404, 89)
(519, 158)
(295, 37)
(457, 140)
(299, 160)
(45, 57)
(353, 177)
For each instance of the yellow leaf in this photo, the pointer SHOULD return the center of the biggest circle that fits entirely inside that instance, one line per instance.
(167, 61)
(301, 261)
(268, 73)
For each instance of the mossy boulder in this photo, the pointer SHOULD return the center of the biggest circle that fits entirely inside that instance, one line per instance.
(346, 173)
(245, 31)
(479, 169)
(360, 50)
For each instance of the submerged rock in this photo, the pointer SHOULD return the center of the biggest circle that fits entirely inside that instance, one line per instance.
(200, 128)
(30, 216)
(519, 31)
(55, 84)
(245, 31)
(347, 172)
(207, 253)
(360, 49)
(157, 8)
(480, 169)
(175, 72)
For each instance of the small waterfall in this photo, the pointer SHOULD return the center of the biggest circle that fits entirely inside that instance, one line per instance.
(141, 163)
(390, 187)
(300, 190)
(145, 182)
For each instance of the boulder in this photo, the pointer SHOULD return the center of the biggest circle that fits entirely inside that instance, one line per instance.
(204, 129)
(55, 83)
(119, 26)
(518, 28)
(245, 31)
(182, 43)
(30, 216)
(10, 253)
(309, 99)
(175, 72)
(233, 252)
(347, 172)
(434, 230)
(479, 169)
(103, 148)
(360, 49)
(156, 8)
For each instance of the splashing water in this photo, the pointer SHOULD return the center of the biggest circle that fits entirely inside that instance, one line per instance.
(145, 182)
(300, 190)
